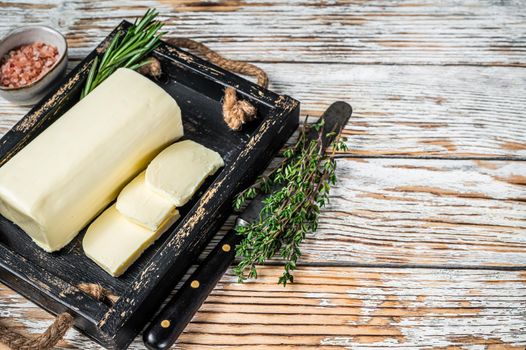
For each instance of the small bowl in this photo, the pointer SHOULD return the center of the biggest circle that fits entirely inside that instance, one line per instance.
(32, 93)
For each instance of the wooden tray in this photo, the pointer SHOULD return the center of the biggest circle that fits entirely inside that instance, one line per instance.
(51, 280)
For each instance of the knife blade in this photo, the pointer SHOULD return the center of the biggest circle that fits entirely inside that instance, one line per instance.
(166, 327)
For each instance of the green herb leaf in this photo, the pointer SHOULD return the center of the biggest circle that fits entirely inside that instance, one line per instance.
(291, 212)
(127, 51)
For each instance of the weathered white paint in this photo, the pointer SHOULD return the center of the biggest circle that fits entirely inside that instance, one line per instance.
(432, 212)
(417, 111)
(406, 110)
(445, 308)
(400, 64)
(438, 32)
(367, 308)
(425, 212)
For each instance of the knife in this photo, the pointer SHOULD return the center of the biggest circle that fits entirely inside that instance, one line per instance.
(166, 327)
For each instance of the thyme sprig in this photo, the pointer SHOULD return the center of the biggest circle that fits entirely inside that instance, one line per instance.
(289, 213)
(126, 50)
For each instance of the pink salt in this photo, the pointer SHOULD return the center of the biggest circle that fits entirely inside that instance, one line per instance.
(27, 63)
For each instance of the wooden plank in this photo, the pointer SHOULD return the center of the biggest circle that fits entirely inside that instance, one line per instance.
(383, 211)
(417, 111)
(342, 308)
(407, 211)
(410, 111)
(485, 32)
(440, 213)
(431, 212)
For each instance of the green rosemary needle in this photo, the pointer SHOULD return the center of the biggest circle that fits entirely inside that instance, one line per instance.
(126, 50)
(304, 179)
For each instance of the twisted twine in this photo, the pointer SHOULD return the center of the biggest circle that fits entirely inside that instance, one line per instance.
(99, 293)
(235, 112)
(58, 328)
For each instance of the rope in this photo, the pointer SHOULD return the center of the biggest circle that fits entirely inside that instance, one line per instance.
(46, 340)
(235, 112)
(56, 331)
(99, 293)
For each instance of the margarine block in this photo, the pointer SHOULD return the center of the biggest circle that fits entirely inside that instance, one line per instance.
(114, 242)
(179, 170)
(139, 203)
(62, 179)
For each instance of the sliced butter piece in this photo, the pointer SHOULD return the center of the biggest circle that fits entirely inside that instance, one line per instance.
(61, 180)
(145, 207)
(179, 170)
(114, 243)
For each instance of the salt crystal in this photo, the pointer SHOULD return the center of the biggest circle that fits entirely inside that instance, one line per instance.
(27, 63)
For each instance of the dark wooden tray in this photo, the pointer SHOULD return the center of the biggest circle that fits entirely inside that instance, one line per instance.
(51, 280)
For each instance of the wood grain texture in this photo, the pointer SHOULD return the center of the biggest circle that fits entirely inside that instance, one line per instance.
(408, 111)
(424, 111)
(433, 212)
(151, 278)
(400, 110)
(427, 79)
(343, 308)
(485, 32)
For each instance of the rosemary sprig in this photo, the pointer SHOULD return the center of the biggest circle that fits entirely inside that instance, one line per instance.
(128, 50)
(304, 179)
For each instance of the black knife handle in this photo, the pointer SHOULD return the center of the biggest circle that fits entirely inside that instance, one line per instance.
(335, 118)
(164, 330)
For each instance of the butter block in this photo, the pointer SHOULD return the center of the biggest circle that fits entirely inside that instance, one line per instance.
(179, 170)
(61, 180)
(145, 207)
(114, 243)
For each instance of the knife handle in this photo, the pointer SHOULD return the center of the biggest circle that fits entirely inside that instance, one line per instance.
(164, 330)
(178, 312)
(335, 118)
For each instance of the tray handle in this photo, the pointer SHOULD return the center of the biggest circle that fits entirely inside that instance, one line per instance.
(56, 331)
(235, 112)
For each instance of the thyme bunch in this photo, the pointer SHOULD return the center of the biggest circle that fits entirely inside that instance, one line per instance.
(303, 181)
(126, 50)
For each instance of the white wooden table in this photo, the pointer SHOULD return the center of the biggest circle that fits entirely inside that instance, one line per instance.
(424, 243)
